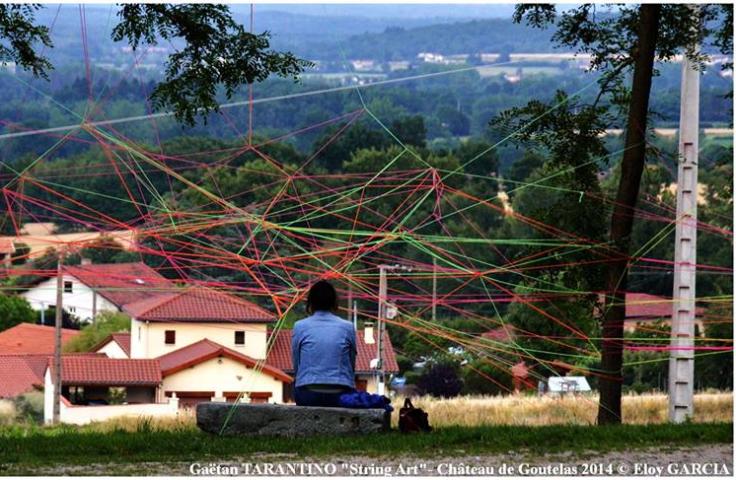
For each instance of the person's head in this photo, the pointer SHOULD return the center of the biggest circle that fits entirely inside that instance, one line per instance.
(322, 296)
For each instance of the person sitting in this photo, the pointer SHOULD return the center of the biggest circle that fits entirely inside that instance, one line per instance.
(323, 348)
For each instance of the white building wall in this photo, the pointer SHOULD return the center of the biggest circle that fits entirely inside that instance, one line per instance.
(48, 397)
(113, 350)
(221, 375)
(81, 415)
(79, 302)
(147, 339)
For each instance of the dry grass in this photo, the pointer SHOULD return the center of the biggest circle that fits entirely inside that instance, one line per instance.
(184, 420)
(7, 412)
(568, 410)
(472, 411)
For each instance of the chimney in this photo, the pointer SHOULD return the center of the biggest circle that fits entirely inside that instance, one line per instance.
(86, 261)
(368, 333)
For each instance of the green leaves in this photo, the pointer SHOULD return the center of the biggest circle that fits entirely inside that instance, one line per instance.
(217, 53)
(15, 310)
(609, 34)
(20, 34)
(92, 334)
(571, 132)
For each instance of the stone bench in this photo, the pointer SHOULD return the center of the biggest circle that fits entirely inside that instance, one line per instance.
(289, 420)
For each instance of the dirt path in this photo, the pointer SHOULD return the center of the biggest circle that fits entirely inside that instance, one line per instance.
(710, 460)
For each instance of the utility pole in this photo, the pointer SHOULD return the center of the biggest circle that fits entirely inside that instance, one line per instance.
(355, 315)
(350, 299)
(57, 334)
(434, 290)
(382, 293)
(382, 308)
(94, 305)
(681, 368)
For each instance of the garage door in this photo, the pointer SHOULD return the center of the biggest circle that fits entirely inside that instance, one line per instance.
(255, 397)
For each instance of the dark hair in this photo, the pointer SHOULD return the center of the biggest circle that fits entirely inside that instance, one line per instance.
(322, 296)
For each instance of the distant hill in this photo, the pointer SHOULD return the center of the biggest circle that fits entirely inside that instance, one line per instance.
(305, 34)
(439, 13)
(397, 43)
(331, 33)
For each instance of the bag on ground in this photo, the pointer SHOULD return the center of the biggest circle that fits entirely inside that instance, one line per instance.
(412, 419)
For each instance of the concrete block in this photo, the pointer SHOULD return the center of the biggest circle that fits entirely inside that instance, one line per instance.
(289, 420)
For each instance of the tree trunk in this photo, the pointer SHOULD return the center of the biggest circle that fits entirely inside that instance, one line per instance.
(632, 165)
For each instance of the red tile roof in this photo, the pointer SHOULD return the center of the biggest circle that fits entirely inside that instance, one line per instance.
(121, 283)
(504, 333)
(100, 370)
(646, 306)
(28, 338)
(6, 245)
(205, 350)
(21, 373)
(197, 304)
(520, 370)
(121, 338)
(280, 353)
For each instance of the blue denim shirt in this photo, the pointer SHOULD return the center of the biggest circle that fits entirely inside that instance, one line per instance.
(323, 349)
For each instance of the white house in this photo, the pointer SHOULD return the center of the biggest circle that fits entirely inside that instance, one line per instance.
(191, 344)
(91, 289)
(86, 384)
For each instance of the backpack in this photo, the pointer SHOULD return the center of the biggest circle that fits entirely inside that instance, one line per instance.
(412, 419)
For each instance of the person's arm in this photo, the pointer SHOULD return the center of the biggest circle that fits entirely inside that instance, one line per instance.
(295, 339)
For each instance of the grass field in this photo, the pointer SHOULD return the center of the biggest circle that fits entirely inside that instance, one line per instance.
(575, 410)
(463, 426)
(24, 446)
(473, 411)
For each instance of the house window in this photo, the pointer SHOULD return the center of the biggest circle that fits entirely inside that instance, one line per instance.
(68, 287)
(170, 337)
(240, 337)
(72, 309)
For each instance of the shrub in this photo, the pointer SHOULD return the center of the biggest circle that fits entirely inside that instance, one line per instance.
(405, 363)
(21, 253)
(29, 406)
(441, 380)
(106, 249)
(92, 334)
(412, 377)
(476, 379)
(15, 310)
